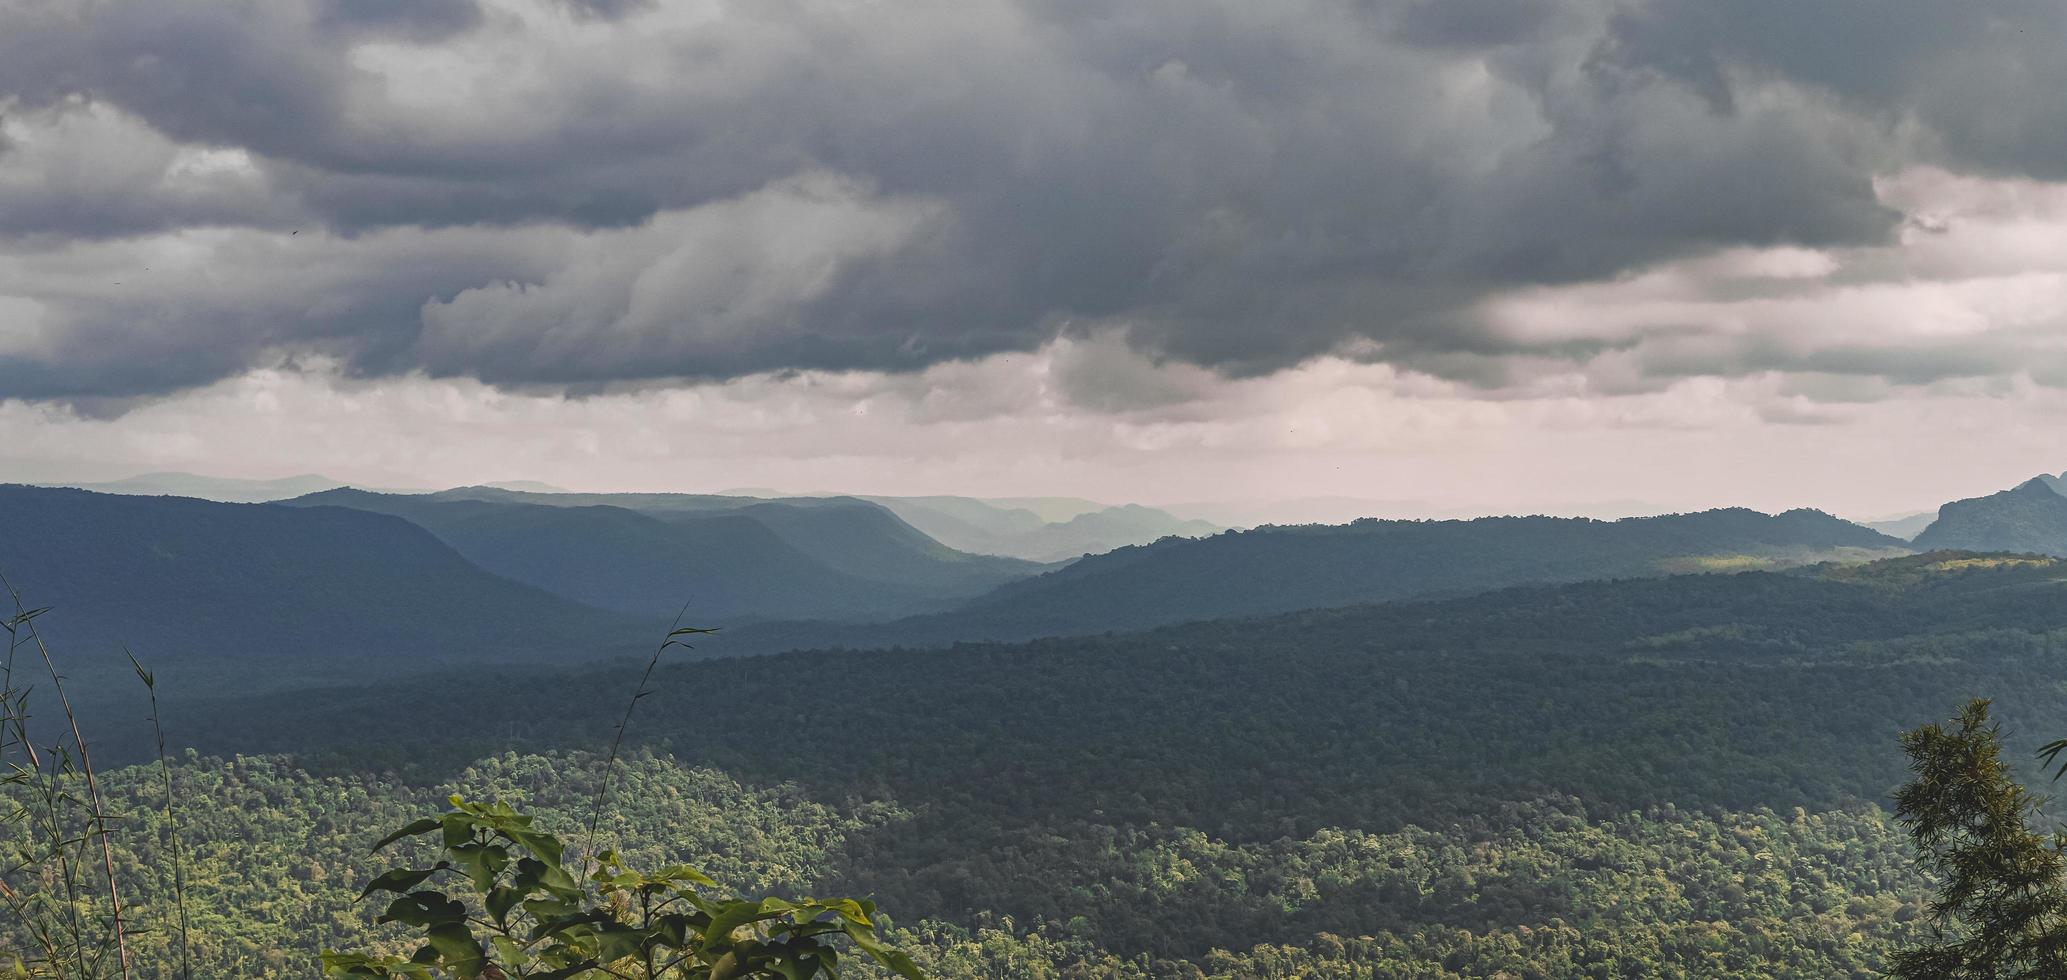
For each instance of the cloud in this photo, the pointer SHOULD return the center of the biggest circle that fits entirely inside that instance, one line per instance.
(575, 195)
(82, 170)
(1974, 82)
(709, 290)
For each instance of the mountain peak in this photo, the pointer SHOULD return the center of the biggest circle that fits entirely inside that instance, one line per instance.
(2043, 483)
(2029, 518)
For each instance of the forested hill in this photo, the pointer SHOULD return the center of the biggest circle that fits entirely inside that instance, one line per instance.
(731, 558)
(325, 591)
(1218, 784)
(1280, 569)
(1745, 689)
(2030, 518)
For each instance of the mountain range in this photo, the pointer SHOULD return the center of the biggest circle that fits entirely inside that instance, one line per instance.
(1042, 529)
(1280, 569)
(255, 595)
(241, 491)
(730, 559)
(1039, 529)
(342, 577)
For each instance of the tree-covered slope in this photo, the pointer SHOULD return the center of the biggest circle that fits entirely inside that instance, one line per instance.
(273, 858)
(1461, 780)
(1749, 689)
(2030, 518)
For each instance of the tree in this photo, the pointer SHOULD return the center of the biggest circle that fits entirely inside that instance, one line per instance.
(2001, 911)
(522, 913)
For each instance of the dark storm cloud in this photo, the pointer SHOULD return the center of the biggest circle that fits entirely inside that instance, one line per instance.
(576, 193)
(1982, 78)
(416, 19)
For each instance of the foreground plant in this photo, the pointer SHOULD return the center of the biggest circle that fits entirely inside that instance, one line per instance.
(510, 908)
(2001, 910)
(63, 909)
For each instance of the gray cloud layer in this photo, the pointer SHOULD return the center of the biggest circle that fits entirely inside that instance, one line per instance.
(576, 193)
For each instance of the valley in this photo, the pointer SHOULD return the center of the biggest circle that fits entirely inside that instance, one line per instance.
(1444, 748)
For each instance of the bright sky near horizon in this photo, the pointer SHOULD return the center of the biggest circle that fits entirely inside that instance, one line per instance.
(1452, 256)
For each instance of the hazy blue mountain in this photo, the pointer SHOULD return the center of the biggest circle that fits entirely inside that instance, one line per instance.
(1281, 569)
(1038, 529)
(1103, 530)
(238, 491)
(642, 502)
(963, 522)
(731, 559)
(1022, 528)
(305, 590)
(2030, 518)
(1052, 510)
(218, 488)
(850, 534)
(1906, 526)
(867, 541)
(1342, 510)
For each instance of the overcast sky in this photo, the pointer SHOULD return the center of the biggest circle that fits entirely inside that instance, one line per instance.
(1501, 255)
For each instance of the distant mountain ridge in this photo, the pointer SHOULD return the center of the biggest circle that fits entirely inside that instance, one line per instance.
(1039, 529)
(222, 489)
(1906, 526)
(1043, 530)
(2029, 518)
(241, 491)
(1283, 569)
(322, 590)
(731, 559)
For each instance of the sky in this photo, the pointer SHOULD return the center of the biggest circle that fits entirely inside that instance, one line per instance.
(1446, 256)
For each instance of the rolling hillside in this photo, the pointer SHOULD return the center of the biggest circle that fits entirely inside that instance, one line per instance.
(1035, 772)
(1492, 684)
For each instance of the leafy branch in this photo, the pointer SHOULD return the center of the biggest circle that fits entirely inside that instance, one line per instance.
(506, 906)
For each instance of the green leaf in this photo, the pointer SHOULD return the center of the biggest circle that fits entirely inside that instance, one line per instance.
(615, 942)
(459, 949)
(414, 828)
(732, 916)
(424, 908)
(895, 959)
(683, 872)
(141, 673)
(481, 863)
(499, 901)
(399, 880)
(546, 846)
(508, 952)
